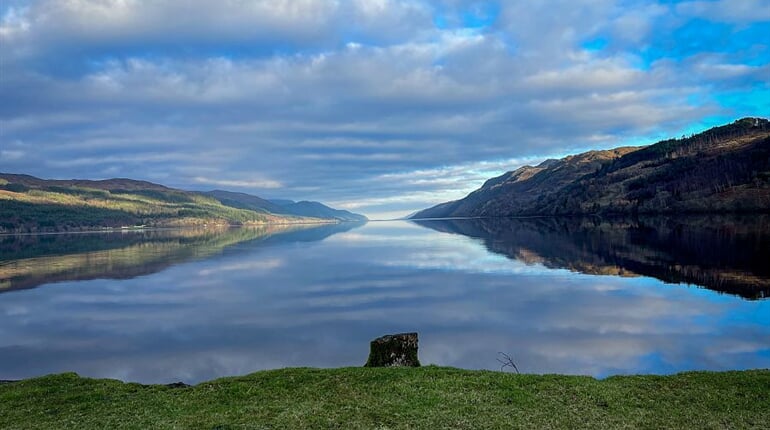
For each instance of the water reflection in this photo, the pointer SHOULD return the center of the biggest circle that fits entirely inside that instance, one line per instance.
(291, 300)
(728, 254)
(28, 261)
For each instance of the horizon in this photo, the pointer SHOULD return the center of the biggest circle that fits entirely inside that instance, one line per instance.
(380, 108)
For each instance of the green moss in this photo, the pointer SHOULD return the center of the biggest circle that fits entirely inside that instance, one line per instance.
(426, 397)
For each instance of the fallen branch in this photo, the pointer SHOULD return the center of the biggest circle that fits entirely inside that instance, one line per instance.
(506, 361)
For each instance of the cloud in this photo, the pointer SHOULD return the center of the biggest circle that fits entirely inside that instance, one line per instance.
(201, 27)
(272, 305)
(737, 11)
(327, 99)
(11, 154)
(260, 183)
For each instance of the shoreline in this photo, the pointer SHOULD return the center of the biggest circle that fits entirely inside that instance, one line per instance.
(166, 228)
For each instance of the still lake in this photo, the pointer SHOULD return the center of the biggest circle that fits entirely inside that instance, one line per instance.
(576, 296)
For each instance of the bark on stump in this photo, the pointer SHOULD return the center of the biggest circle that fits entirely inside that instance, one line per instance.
(394, 350)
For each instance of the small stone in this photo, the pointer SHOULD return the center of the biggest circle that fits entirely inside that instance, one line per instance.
(394, 350)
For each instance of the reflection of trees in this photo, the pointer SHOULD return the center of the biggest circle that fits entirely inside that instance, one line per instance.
(722, 253)
(27, 261)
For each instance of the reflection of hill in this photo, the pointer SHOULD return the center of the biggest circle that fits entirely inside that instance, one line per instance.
(43, 259)
(314, 234)
(722, 253)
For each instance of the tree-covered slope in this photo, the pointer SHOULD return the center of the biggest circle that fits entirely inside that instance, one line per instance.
(284, 207)
(320, 210)
(29, 204)
(724, 169)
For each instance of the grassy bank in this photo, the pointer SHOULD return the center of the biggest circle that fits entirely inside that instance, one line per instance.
(428, 397)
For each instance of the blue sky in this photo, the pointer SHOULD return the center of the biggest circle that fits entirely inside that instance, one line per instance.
(378, 106)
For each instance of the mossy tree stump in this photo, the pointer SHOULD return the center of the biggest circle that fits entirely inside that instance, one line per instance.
(394, 350)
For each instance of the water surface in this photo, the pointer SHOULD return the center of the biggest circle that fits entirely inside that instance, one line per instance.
(594, 297)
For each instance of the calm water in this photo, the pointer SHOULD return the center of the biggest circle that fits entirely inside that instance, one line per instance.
(656, 295)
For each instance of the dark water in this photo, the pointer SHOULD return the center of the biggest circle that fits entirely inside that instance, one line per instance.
(579, 296)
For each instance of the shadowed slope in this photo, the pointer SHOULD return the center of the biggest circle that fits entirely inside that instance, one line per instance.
(724, 169)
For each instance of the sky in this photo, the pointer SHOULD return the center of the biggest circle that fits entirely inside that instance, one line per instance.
(382, 107)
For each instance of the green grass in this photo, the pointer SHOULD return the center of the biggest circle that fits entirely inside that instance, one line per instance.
(379, 398)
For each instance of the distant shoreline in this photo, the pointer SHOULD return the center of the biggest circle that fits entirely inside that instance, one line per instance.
(167, 228)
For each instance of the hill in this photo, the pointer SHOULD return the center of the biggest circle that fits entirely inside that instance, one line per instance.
(30, 204)
(244, 201)
(319, 210)
(284, 207)
(724, 169)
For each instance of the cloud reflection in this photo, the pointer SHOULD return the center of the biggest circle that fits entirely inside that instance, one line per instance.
(329, 298)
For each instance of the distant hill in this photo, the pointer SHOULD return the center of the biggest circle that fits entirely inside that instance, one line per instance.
(724, 169)
(282, 202)
(283, 206)
(244, 201)
(121, 184)
(30, 204)
(319, 210)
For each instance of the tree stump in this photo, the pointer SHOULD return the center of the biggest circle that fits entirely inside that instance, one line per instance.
(394, 350)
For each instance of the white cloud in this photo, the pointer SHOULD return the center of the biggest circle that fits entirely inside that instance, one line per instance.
(13, 23)
(11, 154)
(246, 266)
(258, 183)
(188, 24)
(325, 99)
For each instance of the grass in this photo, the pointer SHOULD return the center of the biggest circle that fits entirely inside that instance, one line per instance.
(407, 398)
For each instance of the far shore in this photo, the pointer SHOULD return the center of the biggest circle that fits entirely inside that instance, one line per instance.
(90, 230)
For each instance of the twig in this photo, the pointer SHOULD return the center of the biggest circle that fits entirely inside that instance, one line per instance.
(506, 361)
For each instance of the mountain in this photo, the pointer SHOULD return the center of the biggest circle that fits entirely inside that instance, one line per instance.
(244, 201)
(318, 210)
(724, 169)
(282, 202)
(122, 184)
(283, 207)
(30, 204)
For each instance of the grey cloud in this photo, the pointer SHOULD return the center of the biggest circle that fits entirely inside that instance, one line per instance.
(187, 27)
(331, 119)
